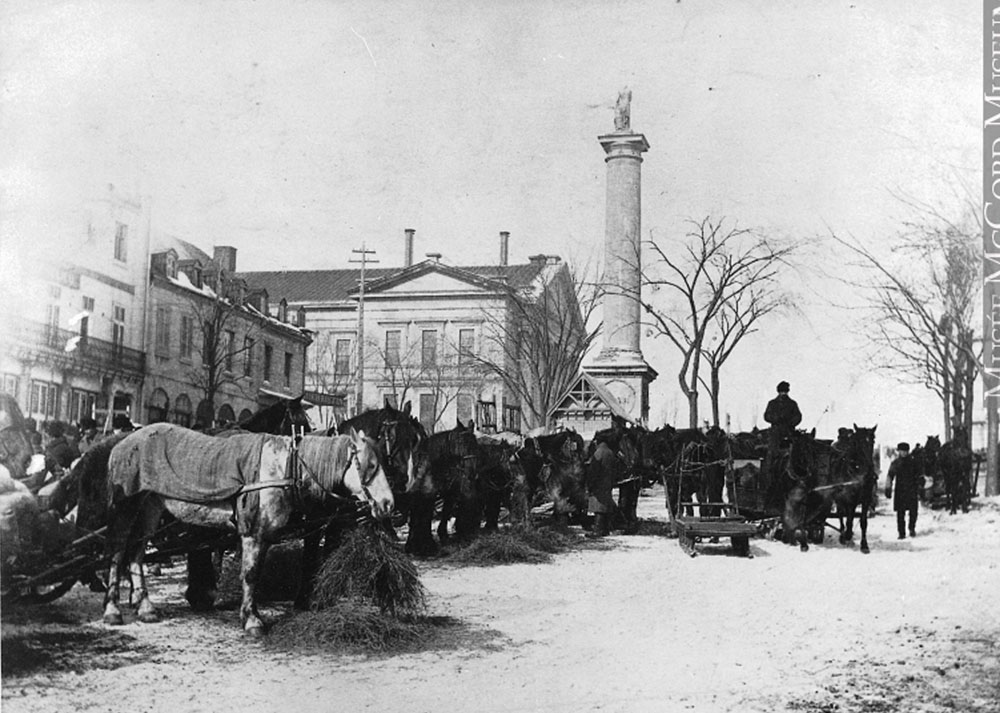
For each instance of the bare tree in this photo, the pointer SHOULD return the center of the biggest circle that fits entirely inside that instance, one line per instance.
(324, 376)
(228, 334)
(736, 319)
(720, 277)
(537, 343)
(923, 304)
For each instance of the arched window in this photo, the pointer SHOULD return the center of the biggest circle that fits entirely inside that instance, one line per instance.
(158, 406)
(226, 415)
(245, 414)
(182, 411)
(203, 417)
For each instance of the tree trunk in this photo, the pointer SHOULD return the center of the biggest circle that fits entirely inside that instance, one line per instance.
(715, 395)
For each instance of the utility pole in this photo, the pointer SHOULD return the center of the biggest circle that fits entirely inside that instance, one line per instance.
(359, 394)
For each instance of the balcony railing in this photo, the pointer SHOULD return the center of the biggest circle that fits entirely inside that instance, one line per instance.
(90, 350)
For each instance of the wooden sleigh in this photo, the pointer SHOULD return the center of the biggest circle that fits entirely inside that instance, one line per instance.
(692, 529)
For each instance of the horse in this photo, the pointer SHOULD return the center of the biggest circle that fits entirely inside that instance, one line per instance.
(251, 483)
(16, 450)
(502, 480)
(954, 462)
(824, 477)
(398, 434)
(553, 465)
(445, 467)
(283, 417)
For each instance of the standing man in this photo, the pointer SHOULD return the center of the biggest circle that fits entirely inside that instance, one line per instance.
(904, 471)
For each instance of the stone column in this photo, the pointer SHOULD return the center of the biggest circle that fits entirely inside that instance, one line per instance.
(620, 366)
(622, 237)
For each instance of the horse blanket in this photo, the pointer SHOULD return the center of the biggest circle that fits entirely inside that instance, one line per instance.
(186, 465)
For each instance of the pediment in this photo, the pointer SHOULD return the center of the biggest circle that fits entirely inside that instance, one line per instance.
(431, 279)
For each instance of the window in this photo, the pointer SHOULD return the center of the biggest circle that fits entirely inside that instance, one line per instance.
(428, 347)
(245, 415)
(511, 418)
(182, 411)
(118, 328)
(247, 357)
(10, 384)
(159, 404)
(466, 341)
(228, 348)
(392, 340)
(88, 309)
(487, 416)
(288, 368)
(186, 336)
(342, 358)
(82, 404)
(463, 406)
(428, 405)
(121, 242)
(44, 401)
(268, 354)
(162, 332)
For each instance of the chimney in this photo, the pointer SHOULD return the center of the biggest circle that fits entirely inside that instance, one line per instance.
(504, 242)
(408, 253)
(436, 257)
(537, 259)
(225, 258)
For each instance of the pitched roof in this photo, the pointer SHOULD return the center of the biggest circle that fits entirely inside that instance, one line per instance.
(589, 394)
(338, 285)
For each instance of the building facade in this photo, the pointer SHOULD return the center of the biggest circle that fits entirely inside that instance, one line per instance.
(100, 315)
(72, 318)
(216, 353)
(429, 335)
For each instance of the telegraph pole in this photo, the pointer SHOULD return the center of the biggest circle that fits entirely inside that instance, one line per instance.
(359, 394)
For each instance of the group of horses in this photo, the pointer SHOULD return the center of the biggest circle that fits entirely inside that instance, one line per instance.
(270, 479)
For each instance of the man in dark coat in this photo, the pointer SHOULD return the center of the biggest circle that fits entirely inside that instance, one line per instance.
(905, 472)
(601, 476)
(783, 415)
(59, 452)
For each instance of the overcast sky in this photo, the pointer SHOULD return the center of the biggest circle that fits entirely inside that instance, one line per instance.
(296, 131)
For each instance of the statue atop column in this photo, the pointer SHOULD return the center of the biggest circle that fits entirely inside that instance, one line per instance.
(623, 110)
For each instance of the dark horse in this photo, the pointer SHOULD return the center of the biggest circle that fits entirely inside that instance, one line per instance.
(554, 468)
(398, 434)
(954, 463)
(827, 477)
(445, 468)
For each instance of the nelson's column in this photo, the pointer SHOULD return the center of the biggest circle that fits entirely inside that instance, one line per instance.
(620, 365)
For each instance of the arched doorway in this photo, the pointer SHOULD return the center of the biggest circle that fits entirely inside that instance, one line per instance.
(203, 417)
(245, 414)
(159, 405)
(226, 415)
(182, 411)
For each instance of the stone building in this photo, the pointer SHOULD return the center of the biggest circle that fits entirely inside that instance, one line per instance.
(216, 353)
(72, 305)
(427, 331)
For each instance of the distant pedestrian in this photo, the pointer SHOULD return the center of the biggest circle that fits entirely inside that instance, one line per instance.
(88, 434)
(904, 471)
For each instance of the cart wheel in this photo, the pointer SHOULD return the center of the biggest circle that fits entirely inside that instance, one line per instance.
(45, 593)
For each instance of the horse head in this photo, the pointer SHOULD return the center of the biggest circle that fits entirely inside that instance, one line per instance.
(364, 476)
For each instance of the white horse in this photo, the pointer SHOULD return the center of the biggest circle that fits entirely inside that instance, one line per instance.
(250, 483)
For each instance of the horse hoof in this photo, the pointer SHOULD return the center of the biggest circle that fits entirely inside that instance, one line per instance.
(148, 617)
(254, 632)
(114, 619)
(803, 548)
(865, 550)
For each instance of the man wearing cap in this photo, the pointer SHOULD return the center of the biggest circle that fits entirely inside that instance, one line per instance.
(904, 471)
(783, 415)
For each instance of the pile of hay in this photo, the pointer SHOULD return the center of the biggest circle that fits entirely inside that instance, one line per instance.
(371, 567)
(367, 597)
(516, 545)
